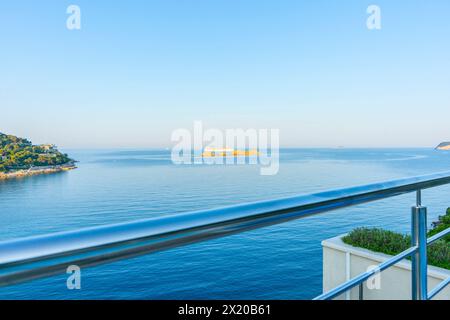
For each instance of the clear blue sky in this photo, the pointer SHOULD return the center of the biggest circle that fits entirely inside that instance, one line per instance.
(139, 69)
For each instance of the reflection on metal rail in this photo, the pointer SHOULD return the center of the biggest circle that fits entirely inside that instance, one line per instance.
(36, 257)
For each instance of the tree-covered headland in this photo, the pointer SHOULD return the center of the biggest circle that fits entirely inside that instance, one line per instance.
(18, 154)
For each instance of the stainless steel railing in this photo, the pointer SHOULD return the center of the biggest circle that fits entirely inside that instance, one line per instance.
(41, 256)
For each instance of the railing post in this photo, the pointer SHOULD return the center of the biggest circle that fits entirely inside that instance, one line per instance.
(419, 259)
(361, 291)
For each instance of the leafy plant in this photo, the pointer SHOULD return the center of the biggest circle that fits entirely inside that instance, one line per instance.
(440, 225)
(378, 240)
(392, 243)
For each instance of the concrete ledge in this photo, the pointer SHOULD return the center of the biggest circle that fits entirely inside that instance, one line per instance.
(342, 262)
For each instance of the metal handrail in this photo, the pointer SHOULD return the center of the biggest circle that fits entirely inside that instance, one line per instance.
(445, 282)
(438, 236)
(438, 288)
(41, 256)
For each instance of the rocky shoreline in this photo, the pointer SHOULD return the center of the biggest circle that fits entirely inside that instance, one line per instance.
(36, 171)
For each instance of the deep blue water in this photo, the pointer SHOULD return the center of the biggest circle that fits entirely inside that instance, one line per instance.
(278, 262)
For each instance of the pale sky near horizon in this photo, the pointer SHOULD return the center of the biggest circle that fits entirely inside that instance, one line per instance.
(137, 70)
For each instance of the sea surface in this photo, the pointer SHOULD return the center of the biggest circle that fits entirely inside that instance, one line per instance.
(278, 262)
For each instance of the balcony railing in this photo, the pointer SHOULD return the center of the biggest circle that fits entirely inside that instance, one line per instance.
(42, 256)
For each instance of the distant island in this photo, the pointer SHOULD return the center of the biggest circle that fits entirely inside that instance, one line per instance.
(443, 146)
(20, 158)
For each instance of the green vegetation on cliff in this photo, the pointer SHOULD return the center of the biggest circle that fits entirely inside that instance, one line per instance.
(18, 153)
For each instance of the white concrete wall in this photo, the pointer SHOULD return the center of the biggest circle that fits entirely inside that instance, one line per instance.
(342, 262)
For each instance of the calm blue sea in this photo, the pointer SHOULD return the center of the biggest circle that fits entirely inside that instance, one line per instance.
(278, 262)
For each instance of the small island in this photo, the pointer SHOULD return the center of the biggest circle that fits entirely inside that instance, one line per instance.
(443, 146)
(20, 158)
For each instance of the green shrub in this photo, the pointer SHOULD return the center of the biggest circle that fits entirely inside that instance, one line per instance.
(440, 225)
(392, 243)
(378, 240)
(439, 254)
